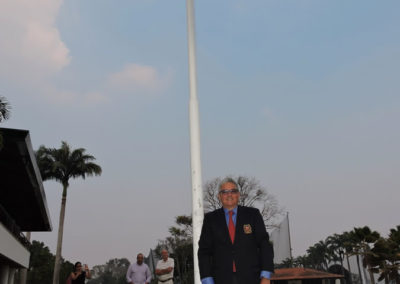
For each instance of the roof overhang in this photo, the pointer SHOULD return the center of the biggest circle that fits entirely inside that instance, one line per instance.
(21, 188)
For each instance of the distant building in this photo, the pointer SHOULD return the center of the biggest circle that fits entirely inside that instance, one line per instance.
(299, 275)
(23, 205)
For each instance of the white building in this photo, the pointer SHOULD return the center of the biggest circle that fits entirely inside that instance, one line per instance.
(23, 205)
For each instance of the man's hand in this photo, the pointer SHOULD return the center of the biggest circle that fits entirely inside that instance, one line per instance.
(265, 281)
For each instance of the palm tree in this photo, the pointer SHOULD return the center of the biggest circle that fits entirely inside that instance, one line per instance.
(348, 247)
(335, 247)
(319, 256)
(61, 165)
(364, 236)
(387, 257)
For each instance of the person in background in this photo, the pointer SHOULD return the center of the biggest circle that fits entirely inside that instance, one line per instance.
(165, 269)
(80, 274)
(138, 272)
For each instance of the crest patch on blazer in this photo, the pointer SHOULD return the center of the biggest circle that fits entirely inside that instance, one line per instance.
(247, 229)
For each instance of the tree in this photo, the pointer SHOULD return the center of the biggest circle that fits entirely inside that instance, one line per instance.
(180, 246)
(4, 114)
(363, 237)
(61, 165)
(113, 272)
(252, 194)
(41, 263)
(386, 257)
(318, 255)
(335, 245)
(394, 256)
(348, 248)
(4, 109)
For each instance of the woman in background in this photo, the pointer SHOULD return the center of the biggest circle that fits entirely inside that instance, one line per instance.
(79, 274)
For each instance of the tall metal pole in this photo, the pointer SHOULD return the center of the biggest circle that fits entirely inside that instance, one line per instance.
(197, 193)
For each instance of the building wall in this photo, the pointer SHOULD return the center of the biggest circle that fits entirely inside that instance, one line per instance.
(12, 249)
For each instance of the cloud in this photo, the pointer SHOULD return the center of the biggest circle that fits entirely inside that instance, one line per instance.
(30, 46)
(136, 78)
(32, 51)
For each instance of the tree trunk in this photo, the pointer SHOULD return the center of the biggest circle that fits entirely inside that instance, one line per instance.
(359, 269)
(387, 279)
(348, 263)
(349, 269)
(368, 266)
(371, 275)
(341, 266)
(179, 268)
(56, 273)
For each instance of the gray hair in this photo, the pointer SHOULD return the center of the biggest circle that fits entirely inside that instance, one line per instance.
(228, 180)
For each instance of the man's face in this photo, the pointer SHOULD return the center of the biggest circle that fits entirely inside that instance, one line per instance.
(139, 259)
(229, 200)
(164, 254)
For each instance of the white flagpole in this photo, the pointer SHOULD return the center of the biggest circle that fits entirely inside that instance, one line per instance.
(197, 191)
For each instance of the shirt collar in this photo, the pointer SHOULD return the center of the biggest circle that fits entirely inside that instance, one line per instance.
(234, 210)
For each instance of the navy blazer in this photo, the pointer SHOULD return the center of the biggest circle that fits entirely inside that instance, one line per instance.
(251, 250)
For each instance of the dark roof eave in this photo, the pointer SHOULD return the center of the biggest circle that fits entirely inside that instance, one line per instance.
(39, 192)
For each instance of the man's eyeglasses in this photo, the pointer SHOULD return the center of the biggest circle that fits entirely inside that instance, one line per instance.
(227, 191)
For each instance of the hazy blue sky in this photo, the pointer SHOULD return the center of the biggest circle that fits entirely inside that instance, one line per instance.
(302, 95)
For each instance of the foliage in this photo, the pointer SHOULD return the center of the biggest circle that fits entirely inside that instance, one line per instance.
(42, 263)
(113, 272)
(252, 194)
(4, 109)
(386, 257)
(4, 114)
(180, 247)
(379, 255)
(63, 164)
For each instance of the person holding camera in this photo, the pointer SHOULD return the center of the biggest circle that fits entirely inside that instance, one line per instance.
(80, 273)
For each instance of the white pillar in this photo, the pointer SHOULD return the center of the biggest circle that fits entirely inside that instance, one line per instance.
(337, 281)
(24, 271)
(4, 271)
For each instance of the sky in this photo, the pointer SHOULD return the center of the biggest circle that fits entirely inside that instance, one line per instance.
(302, 95)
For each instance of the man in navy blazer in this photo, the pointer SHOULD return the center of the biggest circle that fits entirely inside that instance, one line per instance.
(248, 259)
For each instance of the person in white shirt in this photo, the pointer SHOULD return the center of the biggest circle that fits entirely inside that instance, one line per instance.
(165, 268)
